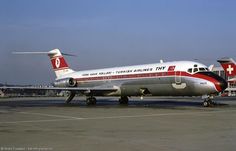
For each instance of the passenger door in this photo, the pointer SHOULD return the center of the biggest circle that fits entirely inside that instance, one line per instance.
(178, 77)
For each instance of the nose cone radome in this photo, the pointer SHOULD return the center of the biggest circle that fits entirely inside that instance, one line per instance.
(219, 82)
(223, 84)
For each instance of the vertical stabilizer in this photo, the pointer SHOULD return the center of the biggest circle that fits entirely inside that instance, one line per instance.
(229, 66)
(58, 62)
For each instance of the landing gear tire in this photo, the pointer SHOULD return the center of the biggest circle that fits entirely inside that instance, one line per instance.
(124, 100)
(208, 103)
(70, 97)
(91, 101)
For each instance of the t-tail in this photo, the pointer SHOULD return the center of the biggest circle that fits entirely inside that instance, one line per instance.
(229, 66)
(58, 62)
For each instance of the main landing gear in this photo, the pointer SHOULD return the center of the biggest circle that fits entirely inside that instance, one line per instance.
(208, 101)
(70, 97)
(91, 100)
(124, 100)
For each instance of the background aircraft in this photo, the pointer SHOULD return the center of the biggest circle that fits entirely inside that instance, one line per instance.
(229, 66)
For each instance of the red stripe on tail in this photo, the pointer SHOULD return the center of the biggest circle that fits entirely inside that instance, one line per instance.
(59, 63)
(230, 69)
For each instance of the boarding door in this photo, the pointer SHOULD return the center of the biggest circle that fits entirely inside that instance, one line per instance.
(178, 77)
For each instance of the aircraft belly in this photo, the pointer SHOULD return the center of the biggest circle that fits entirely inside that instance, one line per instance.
(157, 87)
(154, 87)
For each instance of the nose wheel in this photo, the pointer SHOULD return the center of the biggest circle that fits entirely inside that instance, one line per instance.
(208, 103)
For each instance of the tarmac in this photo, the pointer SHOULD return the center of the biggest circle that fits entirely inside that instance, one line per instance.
(152, 124)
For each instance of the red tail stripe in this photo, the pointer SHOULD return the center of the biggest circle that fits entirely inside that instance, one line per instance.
(59, 63)
(230, 69)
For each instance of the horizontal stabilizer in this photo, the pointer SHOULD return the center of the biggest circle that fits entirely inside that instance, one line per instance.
(40, 53)
(58, 62)
(226, 60)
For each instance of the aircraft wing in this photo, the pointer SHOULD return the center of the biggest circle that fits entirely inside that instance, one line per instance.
(81, 90)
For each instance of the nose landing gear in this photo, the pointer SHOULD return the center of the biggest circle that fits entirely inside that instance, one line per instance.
(208, 101)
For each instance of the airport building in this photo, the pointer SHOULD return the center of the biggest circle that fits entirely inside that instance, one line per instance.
(231, 90)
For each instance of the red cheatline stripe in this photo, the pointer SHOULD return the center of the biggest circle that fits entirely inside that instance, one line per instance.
(151, 75)
(214, 81)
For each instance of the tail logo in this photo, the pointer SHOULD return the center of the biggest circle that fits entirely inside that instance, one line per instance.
(230, 69)
(57, 62)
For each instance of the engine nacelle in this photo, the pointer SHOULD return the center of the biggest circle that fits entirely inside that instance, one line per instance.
(68, 82)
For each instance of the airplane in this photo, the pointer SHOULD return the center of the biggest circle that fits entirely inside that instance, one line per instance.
(177, 78)
(229, 66)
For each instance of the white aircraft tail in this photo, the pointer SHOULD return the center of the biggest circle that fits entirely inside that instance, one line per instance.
(58, 62)
(229, 66)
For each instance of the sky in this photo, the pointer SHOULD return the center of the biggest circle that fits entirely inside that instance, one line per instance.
(108, 33)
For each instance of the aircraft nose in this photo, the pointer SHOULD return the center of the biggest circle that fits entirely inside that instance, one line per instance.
(220, 84)
(223, 84)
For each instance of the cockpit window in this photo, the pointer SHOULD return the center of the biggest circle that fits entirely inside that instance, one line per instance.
(195, 70)
(190, 70)
(202, 69)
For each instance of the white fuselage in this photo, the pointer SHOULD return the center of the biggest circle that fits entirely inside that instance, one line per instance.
(179, 78)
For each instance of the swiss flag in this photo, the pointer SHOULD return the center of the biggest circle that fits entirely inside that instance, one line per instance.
(230, 69)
